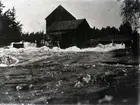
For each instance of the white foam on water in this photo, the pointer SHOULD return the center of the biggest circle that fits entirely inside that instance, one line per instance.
(3, 65)
(98, 48)
(27, 44)
(30, 51)
(30, 47)
(8, 61)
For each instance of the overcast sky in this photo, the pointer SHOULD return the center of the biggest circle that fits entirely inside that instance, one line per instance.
(99, 13)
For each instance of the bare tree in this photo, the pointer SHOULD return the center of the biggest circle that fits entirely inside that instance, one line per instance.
(130, 11)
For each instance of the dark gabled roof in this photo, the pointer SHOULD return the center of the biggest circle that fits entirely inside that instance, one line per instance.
(65, 25)
(60, 10)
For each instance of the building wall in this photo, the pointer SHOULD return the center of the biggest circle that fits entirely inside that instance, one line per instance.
(59, 14)
(78, 37)
(57, 17)
(68, 40)
(83, 34)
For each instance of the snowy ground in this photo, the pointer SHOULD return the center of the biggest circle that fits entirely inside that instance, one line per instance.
(97, 75)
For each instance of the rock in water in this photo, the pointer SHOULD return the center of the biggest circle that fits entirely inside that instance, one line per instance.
(18, 45)
(6, 60)
(18, 88)
(87, 78)
(107, 98)
(78, 84)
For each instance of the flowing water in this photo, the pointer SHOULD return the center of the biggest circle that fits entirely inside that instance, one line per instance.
(68, 76)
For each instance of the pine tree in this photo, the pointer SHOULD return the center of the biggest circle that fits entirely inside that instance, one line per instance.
(10, 28)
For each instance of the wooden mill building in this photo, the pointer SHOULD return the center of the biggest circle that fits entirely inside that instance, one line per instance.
(65, 30)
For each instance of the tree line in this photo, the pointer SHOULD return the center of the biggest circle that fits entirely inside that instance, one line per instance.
(124, 29)
(35, 37)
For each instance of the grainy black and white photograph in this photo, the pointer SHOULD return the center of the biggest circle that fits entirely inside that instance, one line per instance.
(79, 52)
